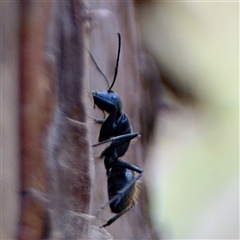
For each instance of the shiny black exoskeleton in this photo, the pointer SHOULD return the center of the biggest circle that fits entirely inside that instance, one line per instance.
(117, 129)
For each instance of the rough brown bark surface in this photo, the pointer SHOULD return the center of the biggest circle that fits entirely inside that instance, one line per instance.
(33, 116)
(55, 158)
(62, 184)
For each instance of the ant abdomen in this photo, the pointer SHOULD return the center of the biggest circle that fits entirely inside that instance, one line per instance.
(118, 179)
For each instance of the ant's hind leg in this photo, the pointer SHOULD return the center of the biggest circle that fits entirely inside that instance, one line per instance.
(115, 217)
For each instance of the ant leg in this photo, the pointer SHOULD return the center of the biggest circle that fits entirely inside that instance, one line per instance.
(124, 138)
(118, 147)
(127, 165)
(115, 217)
(97, 120)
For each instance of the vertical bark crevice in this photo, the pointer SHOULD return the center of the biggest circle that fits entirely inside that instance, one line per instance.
(55, 160)
(68, 142)
(33, 117)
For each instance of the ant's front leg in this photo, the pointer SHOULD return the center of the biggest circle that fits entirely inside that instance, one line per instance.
(97, 120)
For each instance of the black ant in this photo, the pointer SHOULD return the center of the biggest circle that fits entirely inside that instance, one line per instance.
(117, 129)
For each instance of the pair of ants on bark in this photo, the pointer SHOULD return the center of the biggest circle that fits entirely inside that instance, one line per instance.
(117, 129)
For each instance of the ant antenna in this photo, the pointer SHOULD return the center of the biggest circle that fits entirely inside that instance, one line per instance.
(98, 68)
(116, 68)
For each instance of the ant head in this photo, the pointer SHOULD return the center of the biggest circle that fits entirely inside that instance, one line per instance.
(107, 100)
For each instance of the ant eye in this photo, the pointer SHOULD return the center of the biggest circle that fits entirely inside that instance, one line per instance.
(114, 97)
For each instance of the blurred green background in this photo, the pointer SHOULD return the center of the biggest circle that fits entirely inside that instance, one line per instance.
(193, 165)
